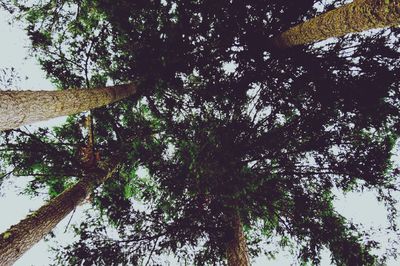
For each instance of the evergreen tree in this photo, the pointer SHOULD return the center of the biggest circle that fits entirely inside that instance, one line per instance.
(21, 237)
(59, 165)
(257, 150)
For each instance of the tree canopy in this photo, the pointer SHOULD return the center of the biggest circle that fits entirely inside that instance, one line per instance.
(225, 125)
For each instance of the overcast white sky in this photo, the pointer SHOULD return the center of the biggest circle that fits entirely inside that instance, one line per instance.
(360, 208)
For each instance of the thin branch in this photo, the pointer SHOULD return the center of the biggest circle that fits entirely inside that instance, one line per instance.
(152, 251)
(72, 215)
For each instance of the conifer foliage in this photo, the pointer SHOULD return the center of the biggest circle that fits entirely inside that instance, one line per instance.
(242, 144)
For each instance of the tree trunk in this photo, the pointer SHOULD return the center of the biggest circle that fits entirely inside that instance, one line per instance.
(357, 16)
(19, 108)
(21, 237)
(236, 251)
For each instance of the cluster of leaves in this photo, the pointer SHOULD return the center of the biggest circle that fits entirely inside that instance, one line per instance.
(226, 122)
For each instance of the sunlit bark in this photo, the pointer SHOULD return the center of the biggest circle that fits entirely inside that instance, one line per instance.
(360, 15)
(19, 108)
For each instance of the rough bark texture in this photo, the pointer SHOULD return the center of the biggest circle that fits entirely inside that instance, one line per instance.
(88, 153)
(21, 237)
(19, 108)
(357, 16)
(237, 252)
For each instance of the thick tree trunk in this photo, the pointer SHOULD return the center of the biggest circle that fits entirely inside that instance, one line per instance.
(236, 251)
(19, 108)
(21, 237)
(357, 16)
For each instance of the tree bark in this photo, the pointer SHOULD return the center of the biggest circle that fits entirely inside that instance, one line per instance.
(19, 108)
(236, 251)
(21, 237)
(357, 16)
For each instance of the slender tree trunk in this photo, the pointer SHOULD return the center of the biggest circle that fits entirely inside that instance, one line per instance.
(357, 16)
(21, 237)
(236, 251)
(19, 108)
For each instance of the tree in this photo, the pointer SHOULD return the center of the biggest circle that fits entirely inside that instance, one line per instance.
(24, 107)
(236, 251)
(27, 153)
(21, 237)
(360, 15)
(257, 149)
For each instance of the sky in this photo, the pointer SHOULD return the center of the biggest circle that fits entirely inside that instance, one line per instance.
(360, 208)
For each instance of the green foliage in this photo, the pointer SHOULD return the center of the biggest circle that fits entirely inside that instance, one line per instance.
(271, 139)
